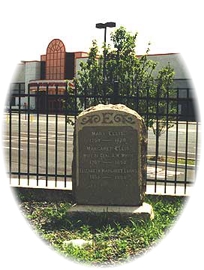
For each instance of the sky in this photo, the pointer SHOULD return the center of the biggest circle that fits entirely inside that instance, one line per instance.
(31, 25)
(27, 27)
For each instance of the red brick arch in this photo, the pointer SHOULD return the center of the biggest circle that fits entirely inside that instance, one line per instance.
(55, 60)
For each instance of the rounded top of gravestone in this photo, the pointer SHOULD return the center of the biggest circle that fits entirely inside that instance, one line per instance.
(115, 107)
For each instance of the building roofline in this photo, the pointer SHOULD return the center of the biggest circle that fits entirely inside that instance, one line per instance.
(79, 57)
(80, 52)
(48, 81)
(28, 61)
(159, 54)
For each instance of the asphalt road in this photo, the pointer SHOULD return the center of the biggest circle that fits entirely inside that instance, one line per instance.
(54, 157)
(186, 141)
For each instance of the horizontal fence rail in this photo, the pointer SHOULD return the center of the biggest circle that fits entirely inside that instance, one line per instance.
(39, 134)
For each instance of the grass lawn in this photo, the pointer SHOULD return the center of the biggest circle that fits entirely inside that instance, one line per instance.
(179, 160)
(113, 242)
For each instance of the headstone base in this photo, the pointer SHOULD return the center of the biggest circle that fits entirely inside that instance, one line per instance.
(145, 211)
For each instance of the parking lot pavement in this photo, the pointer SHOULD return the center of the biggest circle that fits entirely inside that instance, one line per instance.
(161, 173)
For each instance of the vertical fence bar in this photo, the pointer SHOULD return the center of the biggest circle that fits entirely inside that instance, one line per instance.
(137, 99)
(10, 141)
(28, 137)
(186, 143)
(167, 139)
(147, 108)
(156, 158)
(157, 141)
(186, 158)
(75, 104)
(95, 94)
(85, 98)
(196, 148)
(37, 133)
(65, 134)
(176, 157)
(47, 136)
(176, 143)
(19, 135)
(115, 92)
(147, 117)
(56, 132)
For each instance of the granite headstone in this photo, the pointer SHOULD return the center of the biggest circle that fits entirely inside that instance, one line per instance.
(109, 164)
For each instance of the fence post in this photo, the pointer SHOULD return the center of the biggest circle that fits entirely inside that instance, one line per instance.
(115, 98)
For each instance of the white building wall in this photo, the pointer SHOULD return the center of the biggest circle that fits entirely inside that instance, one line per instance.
(175, 61)
(182, 78)
(77, 64)
(18, 78)
(19, 74)
(26, 71)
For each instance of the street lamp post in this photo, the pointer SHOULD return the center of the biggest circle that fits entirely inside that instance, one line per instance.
(104, 26)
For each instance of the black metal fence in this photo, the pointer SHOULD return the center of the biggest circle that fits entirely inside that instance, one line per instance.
(39, 134)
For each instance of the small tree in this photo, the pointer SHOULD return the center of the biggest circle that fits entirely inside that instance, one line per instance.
(136, 77)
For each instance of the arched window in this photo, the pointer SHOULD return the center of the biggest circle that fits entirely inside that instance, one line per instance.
(55, 60)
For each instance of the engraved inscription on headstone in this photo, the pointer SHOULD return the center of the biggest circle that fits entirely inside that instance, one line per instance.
(109, 162)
